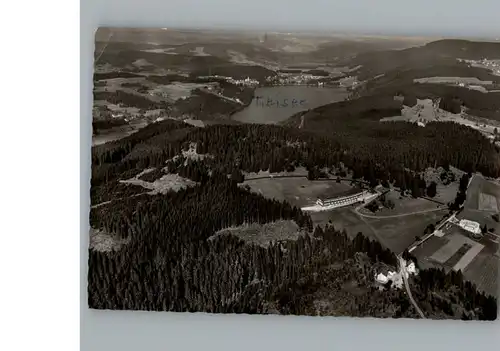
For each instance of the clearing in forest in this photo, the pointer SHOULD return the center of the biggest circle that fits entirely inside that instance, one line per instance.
(264, 234)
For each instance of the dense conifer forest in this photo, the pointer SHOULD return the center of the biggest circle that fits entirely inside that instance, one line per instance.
(373, 151)
(173, 260)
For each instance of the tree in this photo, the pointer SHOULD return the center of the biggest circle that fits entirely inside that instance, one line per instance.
(312, 174)
(484, 229)
(496, 217)
(237, 176)
(415, 189)
(464, 182)
(429, 229)
(432, 189)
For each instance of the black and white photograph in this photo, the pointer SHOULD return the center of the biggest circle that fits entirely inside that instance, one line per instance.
(295, 173)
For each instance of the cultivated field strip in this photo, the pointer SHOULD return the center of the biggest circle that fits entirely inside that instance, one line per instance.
(457, 256)
(468, 257)
(483, 271)
(488, 202)
(455, 242)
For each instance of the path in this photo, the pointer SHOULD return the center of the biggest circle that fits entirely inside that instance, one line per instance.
(404, 273)
(117, 199)
(104, 48)
(401, 215)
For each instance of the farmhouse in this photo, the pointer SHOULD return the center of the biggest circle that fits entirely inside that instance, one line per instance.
(470, 226)
(343, 200)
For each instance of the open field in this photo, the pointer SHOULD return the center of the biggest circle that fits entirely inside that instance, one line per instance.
(302, 192)
(477, 260)
(298, 191)
(399, 233)
(395, 233)
(453, 80)
(344, 219)
(482, 194)
(468, 257)
(299, 171)
(169, 182)
(427, 249)
(488, 202)
(455, 242)
(445, 193)
(403, 206)
(427, 110)
(483, 271)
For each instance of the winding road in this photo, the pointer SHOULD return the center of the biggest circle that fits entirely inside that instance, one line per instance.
(404, 274)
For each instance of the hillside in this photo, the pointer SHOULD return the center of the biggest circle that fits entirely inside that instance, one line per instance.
(183, 267)
(438, 53)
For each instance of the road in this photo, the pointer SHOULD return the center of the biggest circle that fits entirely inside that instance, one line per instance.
(404, 273)
(222, 96)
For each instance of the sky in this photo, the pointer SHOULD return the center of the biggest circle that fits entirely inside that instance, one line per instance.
(456, 18)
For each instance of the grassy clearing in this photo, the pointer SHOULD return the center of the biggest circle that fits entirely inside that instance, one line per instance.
(169, 182)
(343, 219)
(264, 234)
(403, 206)
(299, 171)
(103, 241)
(298, 191)
(479, 185)
(399, 233)
(453, 80)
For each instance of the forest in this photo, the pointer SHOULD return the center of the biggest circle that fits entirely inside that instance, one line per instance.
(437, 53)
(173, 261)
(376, 152)
(129, 100)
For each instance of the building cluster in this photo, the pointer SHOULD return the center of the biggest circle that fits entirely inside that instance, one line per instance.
(349, 82)
(493, 65)
(472, 227)
(344, 200)
(396, 278)
(296, 79)
(248, 82)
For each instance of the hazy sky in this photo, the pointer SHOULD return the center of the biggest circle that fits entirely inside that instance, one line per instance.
(404, 17)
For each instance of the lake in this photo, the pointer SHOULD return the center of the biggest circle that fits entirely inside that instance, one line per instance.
(275, 104)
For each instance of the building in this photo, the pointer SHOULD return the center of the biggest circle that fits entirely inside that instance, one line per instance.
(344, 200)
(470, 226)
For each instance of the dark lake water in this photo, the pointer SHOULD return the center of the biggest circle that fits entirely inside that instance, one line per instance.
(275, 104)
